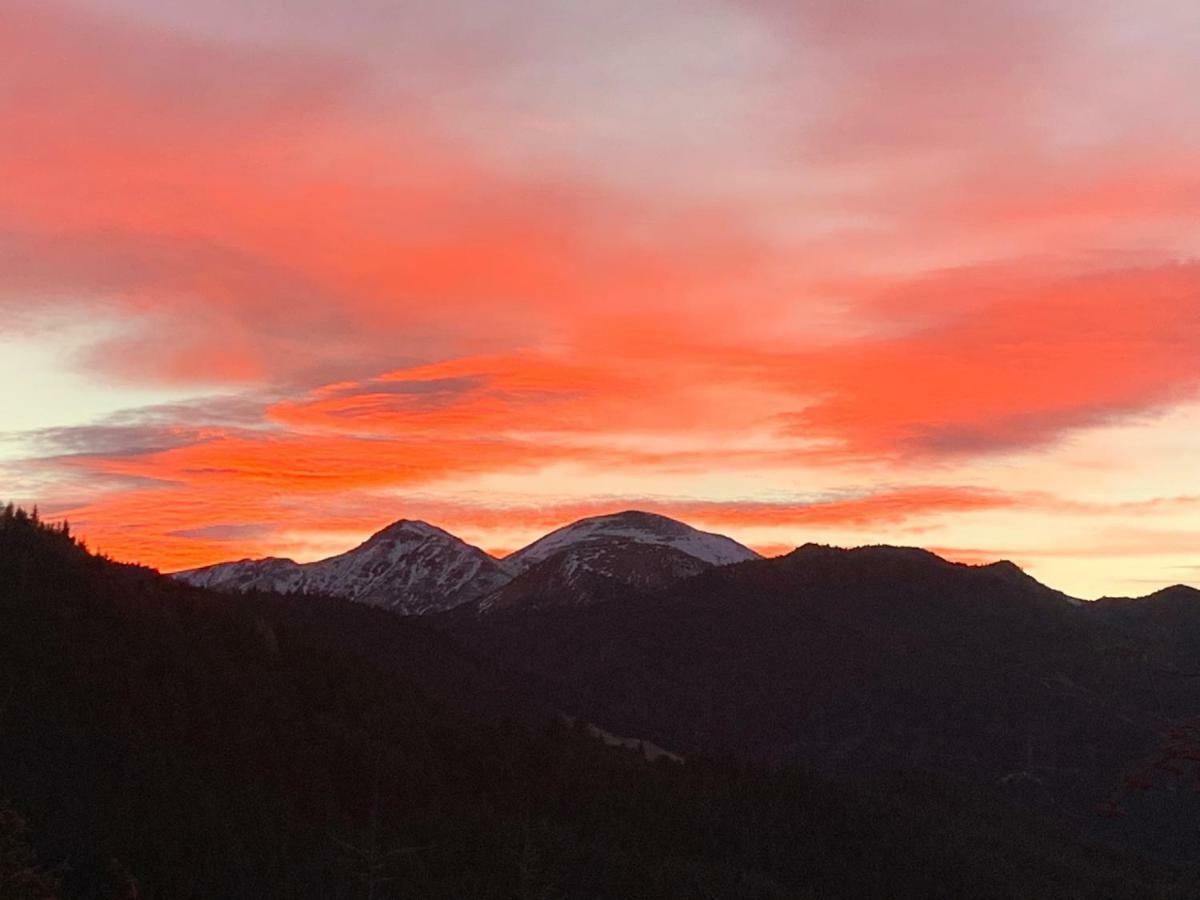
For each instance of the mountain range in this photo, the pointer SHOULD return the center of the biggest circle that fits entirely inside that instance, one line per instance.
(866, 723)
(845, 661)
(415, 568)
(880, 659)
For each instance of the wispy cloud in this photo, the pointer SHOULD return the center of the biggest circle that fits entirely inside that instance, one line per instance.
(713, 253)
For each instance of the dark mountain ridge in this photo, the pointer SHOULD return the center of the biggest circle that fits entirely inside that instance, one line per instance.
(165, 741)
(875, 659)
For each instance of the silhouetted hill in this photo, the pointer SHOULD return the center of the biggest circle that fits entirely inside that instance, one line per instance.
(163, 741)
(880, 659)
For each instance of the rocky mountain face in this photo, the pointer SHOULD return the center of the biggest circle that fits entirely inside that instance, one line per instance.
(415, 568)
(270, 574)
(409, 567)
(632, 527)
(608, 557)
(592, 573)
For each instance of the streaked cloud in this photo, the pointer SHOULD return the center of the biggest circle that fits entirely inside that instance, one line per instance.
(845, 271)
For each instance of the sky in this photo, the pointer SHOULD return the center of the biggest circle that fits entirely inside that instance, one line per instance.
(274, 275)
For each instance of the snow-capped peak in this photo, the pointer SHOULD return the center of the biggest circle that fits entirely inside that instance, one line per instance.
(410, 528)
(409, 566)
(637, 527)
(413, 567)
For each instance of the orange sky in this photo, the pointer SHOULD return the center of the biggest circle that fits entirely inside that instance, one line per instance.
(909, 272)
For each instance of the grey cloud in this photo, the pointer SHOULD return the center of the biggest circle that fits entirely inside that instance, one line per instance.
(440, 387)
(103, 440)
(1015, 432)
(141, 430)
(242, 410)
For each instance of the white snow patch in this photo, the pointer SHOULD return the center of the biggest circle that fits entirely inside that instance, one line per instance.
(645, 528)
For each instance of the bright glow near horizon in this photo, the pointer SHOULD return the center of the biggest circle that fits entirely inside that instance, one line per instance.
(846, 272)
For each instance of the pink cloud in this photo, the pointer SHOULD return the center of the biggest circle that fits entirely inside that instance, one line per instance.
(907, 233)
(1039, 358)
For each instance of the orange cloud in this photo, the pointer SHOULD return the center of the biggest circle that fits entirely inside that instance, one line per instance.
(1023, 369)
(933, 243)
(230, 203)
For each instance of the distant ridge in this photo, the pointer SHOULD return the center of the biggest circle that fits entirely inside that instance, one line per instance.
(1174, 592)
(415, 568)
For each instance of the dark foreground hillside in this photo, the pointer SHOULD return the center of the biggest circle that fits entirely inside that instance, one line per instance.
(160, 741)
(881, 659)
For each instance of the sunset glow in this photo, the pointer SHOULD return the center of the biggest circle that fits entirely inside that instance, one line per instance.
(928, 274)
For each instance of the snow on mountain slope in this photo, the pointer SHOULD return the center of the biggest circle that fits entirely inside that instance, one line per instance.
(608, 557)
(269, 574)
(637, 527)
(414, 568)
(594, 571)
(409, 567)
